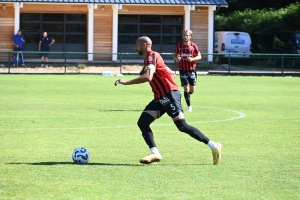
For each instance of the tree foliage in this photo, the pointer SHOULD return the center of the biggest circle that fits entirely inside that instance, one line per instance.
(240, 5)
(262, 24)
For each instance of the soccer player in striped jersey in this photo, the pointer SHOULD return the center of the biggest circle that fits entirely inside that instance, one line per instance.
(167, 98)
(186, 54)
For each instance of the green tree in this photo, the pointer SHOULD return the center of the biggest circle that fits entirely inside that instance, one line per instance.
(240, 5)
(262, 24)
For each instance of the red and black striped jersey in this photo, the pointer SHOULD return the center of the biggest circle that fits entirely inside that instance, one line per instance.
(162, 81)
(186, 51)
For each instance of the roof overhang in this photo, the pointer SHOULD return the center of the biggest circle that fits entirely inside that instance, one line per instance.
(222, 3)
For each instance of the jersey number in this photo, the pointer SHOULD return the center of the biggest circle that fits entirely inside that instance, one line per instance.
(172, 106)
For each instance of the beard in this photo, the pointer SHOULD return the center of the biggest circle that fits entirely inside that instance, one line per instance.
(140, 53)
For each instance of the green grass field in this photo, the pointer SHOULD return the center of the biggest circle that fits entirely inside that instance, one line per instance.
(43, 118)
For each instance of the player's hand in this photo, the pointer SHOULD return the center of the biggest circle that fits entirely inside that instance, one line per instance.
(178, 57)
(120, 81)
(117, 82)
(190, 59)
(173, 74)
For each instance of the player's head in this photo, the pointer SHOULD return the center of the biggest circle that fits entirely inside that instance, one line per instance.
(187, 35)
(142, 44)
(19, 32)
(45, 34)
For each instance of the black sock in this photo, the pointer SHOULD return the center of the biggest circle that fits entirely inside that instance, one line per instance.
(192, 131)
(144, 124)
(187, 98)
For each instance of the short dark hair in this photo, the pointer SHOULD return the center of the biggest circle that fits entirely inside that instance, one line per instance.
(19, 31)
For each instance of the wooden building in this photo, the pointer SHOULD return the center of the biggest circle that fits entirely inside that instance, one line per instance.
(111, 26)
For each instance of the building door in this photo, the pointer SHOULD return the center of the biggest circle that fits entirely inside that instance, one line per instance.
(68, 30)
(163, 30)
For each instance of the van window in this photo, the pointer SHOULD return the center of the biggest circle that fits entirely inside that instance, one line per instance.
(297, 40)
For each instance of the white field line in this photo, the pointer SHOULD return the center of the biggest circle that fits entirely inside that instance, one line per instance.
(240, 116)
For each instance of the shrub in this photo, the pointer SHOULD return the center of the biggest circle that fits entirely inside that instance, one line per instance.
(82, 65)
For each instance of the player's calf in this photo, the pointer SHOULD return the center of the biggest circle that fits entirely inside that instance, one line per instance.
(192, 131)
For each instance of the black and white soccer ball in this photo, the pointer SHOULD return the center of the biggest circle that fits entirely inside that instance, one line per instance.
(81, 155)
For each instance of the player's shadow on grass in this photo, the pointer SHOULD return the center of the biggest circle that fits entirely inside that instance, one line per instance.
(98, 164)
(72, 163)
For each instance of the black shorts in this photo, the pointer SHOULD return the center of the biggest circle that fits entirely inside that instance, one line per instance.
(44, 52)
(170, 104)
(188, 78)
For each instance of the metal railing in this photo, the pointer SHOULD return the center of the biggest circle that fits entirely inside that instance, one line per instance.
(232, 63)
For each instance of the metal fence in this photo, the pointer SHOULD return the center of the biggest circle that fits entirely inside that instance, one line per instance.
(67, 63)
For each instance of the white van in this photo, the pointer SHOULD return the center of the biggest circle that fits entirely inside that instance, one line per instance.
(238, 44)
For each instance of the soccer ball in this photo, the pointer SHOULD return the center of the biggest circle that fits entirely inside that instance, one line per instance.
(81, 155)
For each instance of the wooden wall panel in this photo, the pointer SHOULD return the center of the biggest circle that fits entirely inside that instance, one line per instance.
(7, 27)
(199, 26)
(54, 8)
(103, 33)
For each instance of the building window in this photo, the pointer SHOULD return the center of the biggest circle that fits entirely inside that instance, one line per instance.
(162, 29)
(64, 28)
(68, 30)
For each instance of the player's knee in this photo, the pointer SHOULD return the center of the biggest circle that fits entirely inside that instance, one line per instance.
(192, 89)
(182, 125)
(186, 89)
(144, 121)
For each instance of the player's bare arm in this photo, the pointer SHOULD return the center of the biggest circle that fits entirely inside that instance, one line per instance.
(146, 77)
(176, 57)
(196, 58)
